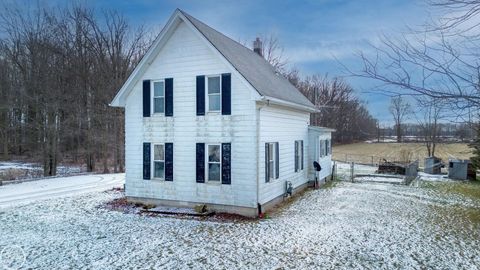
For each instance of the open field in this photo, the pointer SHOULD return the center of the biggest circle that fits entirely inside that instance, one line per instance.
(363, 152)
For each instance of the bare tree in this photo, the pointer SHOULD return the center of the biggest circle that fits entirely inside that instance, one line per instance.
(59, 69)
(340, 108)
(430, 123)
(400, 109)
(440, 62)
(476, 148)
(272, 51)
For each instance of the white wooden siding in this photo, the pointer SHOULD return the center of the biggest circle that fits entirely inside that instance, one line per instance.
(314, 155)
(184, 57)
(278, 124)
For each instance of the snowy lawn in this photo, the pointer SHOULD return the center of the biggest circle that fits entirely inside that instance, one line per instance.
(13, 170)
(341, 226)
(21, 193)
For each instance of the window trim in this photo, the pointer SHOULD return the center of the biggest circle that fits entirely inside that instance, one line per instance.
(272, 175)
(152, 165)
(207, 162)
(207, 100)
(152, 100)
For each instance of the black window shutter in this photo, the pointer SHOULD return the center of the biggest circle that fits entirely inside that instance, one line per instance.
(321, 148)
(200, 162)
(169, 97)
(168, 161)
(200, 95)
(146, 161)
(226, 94)
(226, 163)
(267, 175)
(295, 156)
(277, 165)
(301, 152)
(146, 98)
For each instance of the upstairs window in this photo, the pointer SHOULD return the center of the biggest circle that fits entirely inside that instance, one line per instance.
(158, 97)
(214, 96)
(158, 161)
(214, 162)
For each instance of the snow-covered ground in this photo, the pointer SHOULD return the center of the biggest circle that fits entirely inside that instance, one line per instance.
(348, 226)
(16, 170)
(15, 194)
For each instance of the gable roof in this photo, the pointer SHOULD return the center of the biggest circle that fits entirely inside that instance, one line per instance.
(254, 68)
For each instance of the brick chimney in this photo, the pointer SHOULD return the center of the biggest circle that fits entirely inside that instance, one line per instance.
(257, 46)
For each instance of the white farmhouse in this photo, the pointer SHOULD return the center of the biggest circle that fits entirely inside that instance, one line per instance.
(208, 121)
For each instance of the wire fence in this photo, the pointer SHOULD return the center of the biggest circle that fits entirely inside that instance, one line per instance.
(380, 171)
(363, 159)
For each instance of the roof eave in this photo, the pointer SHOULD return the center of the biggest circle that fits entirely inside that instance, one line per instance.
(322, 129)
(276, 101)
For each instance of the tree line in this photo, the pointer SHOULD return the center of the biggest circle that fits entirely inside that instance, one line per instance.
(59, 69)
(338, 103)
(339, 107)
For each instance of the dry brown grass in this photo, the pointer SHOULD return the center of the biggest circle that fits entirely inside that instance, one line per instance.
(363, 152)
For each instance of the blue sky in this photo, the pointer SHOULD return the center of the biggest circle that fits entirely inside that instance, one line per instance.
(315, 35)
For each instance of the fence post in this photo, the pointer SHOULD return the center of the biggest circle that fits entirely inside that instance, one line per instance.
(372, 161)
(351, 170)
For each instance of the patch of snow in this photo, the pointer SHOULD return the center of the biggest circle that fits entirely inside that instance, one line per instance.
(379, 179)
(26, 170)
(349, 226)
(27, 192)
(433, 177)
(19, 165)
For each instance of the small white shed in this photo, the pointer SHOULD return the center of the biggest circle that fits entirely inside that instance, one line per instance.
(320, 140)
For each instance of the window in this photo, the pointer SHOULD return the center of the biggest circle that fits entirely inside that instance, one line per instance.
(214, 93)
(158, 161)
(214, 162)
(321, 148)
(271, 161)
(298, 155)
(158, 97)
(328, 146)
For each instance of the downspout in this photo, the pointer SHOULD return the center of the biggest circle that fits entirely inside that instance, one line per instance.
(258, 156)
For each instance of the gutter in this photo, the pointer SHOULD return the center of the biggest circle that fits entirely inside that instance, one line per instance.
(276, 101)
